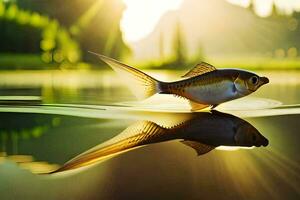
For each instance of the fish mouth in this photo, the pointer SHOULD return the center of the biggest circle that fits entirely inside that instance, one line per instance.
(264, 143)
(264, 80)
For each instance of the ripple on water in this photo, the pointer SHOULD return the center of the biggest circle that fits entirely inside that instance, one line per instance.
(20, 100)
(244, 107)
(172, 104)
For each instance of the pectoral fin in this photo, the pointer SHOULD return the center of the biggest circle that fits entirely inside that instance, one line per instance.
(199, 147)
(199, 69)
(197, 106)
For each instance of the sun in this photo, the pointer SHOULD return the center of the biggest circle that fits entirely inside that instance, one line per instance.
(141, 16)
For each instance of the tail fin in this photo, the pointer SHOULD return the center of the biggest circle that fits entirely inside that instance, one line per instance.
(134, 136)
(141, 84)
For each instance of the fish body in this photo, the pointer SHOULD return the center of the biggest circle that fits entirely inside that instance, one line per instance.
(203, 132)
(203, 86)
(211, 88)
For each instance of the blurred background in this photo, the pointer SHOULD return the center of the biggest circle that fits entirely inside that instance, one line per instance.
(57, 100)
(44, 46)
(169, 34)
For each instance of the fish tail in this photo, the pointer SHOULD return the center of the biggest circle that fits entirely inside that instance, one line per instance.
(141, 84)
(132, 137)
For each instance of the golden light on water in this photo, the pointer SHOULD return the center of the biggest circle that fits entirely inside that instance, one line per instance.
(140, 17)
(27, 162)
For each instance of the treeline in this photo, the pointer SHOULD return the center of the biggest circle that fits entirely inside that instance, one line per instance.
(62, 31)
(285, 33)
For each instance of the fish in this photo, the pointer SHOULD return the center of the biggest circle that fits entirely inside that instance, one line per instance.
(203, 86)
(203, 132)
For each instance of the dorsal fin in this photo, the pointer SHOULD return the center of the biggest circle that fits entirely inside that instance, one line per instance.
(200, 148)
(199, 69)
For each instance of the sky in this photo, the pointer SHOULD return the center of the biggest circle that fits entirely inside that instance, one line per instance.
(141, 16)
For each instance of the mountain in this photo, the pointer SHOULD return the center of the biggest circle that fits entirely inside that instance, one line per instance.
(217, 27)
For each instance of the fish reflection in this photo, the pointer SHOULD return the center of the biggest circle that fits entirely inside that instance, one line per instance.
(203, 132)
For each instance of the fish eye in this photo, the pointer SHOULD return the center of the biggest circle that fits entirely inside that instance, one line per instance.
(254, 80)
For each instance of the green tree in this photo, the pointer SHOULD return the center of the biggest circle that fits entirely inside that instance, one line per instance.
(179, 46)
(94, 24)
(62, 31)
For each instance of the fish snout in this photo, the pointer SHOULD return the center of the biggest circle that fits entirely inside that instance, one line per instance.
(264, 80)
(264, 142)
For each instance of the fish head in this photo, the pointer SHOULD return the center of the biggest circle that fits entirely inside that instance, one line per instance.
(248, 82)
(248, 136)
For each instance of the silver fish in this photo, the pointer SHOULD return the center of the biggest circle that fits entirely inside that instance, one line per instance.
(203, 86)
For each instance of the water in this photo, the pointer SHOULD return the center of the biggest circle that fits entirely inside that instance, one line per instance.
(48, 118)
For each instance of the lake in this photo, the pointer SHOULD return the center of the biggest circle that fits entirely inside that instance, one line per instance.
(49, 117)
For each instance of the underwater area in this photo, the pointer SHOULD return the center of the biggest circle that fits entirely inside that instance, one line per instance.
(249, 146)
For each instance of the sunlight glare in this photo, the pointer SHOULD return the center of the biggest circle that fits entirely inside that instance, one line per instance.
(243, 3)
(141, 16)
(232, 148)
(265, 7)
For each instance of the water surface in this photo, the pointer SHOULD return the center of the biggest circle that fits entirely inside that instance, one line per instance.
(49, 118)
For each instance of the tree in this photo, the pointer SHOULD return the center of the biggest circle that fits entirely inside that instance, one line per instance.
(179, 46)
